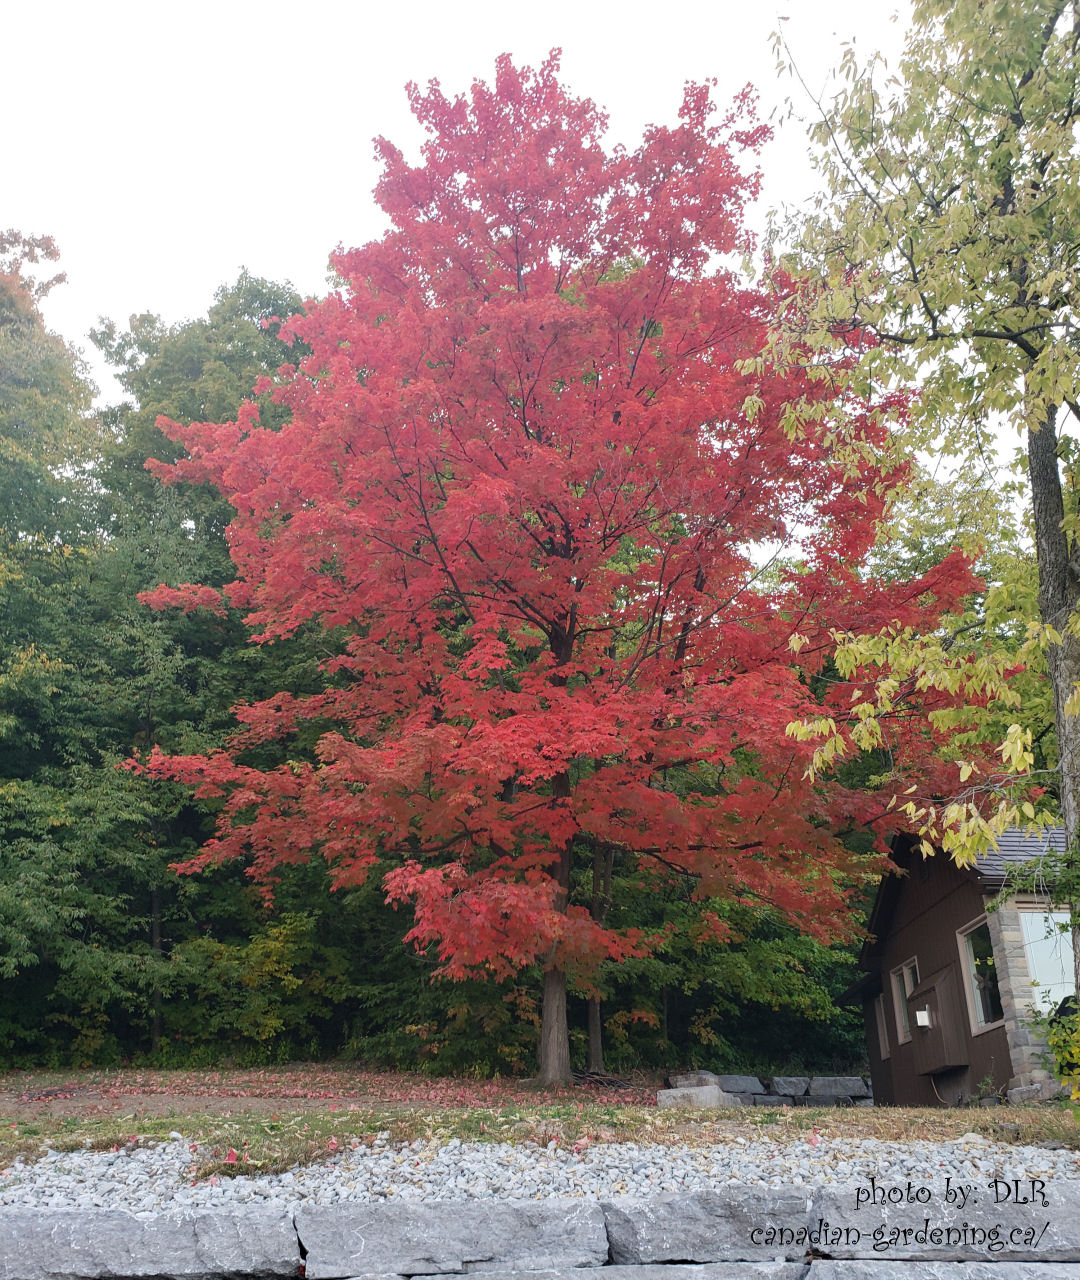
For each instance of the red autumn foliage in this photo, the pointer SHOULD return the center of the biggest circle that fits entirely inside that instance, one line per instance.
(535, 479)
(18, 253)
(187, 596)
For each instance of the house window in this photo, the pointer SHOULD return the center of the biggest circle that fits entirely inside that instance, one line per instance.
(882, 1028)
(904, 981)
(980, 971)
(1049, 952)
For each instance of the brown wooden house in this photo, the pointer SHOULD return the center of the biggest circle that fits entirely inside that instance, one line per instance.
(949, 984)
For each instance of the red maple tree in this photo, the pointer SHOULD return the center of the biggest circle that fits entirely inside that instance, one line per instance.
(533, 460)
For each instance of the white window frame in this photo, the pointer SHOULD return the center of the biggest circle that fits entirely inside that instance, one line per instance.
(977, 1028)
(900, 994)
(882, 1027)
(1032, 907)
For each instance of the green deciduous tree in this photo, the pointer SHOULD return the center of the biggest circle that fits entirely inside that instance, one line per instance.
(102, 951)
(46, 537)
(951, 233)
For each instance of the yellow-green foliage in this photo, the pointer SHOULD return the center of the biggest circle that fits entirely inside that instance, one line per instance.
(948, 232)
(1062, 1034)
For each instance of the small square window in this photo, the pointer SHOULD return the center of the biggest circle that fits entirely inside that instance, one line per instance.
(904, 981)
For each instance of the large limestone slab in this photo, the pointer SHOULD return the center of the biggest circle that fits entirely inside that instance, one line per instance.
(705, 1226)
(58, 1244)
(741, 1084)
(985, 1220)
(703, 1271)
(442, 1239)
(1040, 1092)
(707, 1095)
(691, 1079)
(838, 1087)
(821, 1270)
(795, 1085)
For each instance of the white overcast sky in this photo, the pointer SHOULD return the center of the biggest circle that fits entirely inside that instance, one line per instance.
(165, 145)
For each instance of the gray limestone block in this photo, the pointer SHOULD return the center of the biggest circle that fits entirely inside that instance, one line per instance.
(85, 1244)
(838, 1086)
(773, 1100)
(794, 1085)
(864, 1102)
(741, 1084)
(705, 1226)
(1024, 1093)
(707, 1095)
(1035, 1092)
(984, 1220)
(439, 1239)
(687, 1271)
(692, 1079)
(830, 1270)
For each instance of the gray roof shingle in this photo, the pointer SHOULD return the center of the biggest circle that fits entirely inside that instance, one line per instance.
(1015, 846)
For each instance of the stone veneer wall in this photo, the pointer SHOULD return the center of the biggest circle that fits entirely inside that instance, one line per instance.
(1018, 997)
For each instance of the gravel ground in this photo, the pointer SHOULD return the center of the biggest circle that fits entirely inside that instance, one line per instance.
(146, 1180)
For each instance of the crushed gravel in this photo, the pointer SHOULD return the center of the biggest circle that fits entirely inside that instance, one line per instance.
(148, 1179)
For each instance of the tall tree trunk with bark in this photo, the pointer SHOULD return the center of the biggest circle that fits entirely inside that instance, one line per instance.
(596, 1036)
(603, 864)
(554, 1032)
(1059, 595)
(554, 1049)
(157, 948)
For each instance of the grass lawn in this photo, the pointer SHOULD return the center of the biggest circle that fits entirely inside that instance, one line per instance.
(268, 1120)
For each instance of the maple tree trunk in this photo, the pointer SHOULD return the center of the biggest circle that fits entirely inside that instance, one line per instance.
(596, 1035)
(554, 1031)
(157, 948)
(1059, 593)
(603, 862)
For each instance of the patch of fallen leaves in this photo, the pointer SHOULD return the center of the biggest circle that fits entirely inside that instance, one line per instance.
(319, 1082)
(275, 1120)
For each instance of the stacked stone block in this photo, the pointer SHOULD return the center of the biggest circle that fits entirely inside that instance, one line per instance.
(705, 1089)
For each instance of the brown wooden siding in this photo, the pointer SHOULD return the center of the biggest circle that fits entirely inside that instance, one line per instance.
(880, 1070)
(933, 901)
